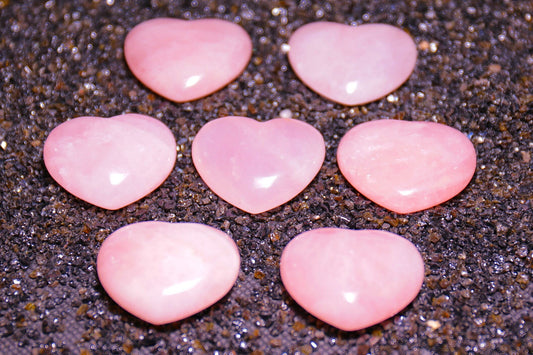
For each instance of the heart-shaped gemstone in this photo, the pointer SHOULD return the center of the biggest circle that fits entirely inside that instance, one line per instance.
(257, 166)
(351, 279)
(352, 65)
(186, 60)
(406, 166)
(163, 272)
(110, 162)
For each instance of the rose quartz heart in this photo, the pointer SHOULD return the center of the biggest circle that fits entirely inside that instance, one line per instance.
(257, 166)
(351, 279)
(186, 60)
(163, 272)
(406, 166)
(352, 65)
(110, 162)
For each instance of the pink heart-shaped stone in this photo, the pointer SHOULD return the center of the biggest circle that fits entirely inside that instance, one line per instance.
(351, 279)
(186, 60)
(352, 65)
(110, 162)
(163, 272)
(257, 166)
(406, 166)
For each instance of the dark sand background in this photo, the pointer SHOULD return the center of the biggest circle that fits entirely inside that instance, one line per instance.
(65, 59)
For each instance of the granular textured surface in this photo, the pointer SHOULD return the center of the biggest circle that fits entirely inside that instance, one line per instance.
(62, 59)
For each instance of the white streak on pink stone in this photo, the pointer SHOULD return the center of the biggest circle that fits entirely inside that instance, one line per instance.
(351, 279)
(164, 272)
(110, 162)
(406, 166)
(352, 65)
(257, 166)
(186, 60)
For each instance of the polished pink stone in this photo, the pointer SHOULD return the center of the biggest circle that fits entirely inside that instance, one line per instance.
(110, 162)
(406, 166)
(164, 272)
(352, 65)
(257, 166)
(186, 60)
(351, 279)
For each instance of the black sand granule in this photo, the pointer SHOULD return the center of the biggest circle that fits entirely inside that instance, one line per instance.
(62, 59)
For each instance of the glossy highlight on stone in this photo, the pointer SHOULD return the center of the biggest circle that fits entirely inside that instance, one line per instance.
(163, 272)
(257, 166)
(186, 60)
(352, 65)
(351, 279)
(110, 162)
(406, 166)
